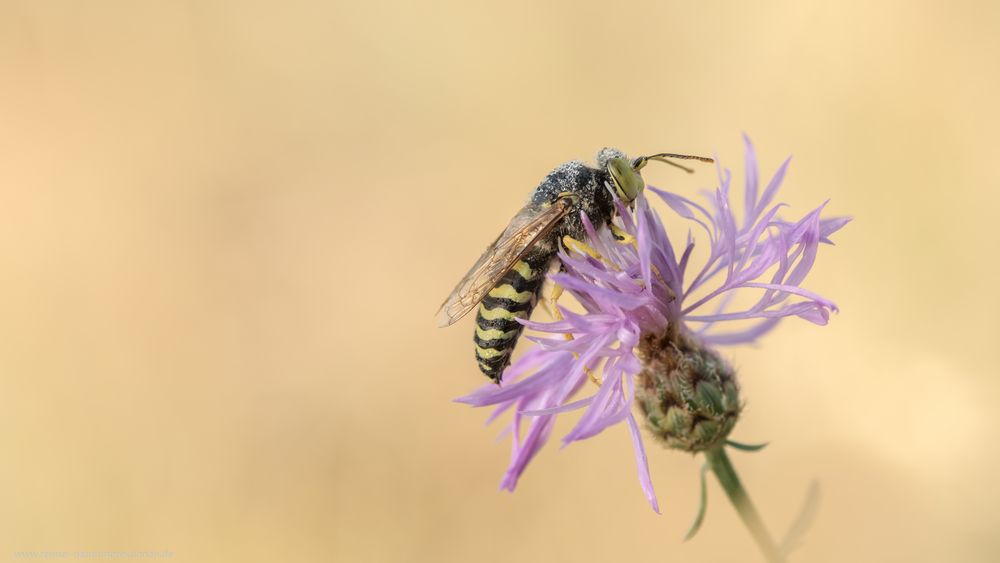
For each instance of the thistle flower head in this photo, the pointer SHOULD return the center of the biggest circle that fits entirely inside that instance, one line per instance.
(652, 318)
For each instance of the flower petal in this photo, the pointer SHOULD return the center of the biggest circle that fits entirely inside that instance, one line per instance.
(522, 453)
(750, 171)
(744, 336)
(642, 464)
(680, 205)
(772, 187)
(560, 409)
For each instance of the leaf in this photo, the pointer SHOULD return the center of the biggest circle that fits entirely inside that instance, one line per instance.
(810, 507)
(746, 447)
(700, 517)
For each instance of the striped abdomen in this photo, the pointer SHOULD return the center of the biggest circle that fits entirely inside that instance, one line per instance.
(514, 297)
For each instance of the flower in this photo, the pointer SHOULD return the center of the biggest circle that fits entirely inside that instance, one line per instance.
(649, 325)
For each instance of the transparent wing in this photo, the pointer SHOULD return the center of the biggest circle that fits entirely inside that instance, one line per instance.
(529, 225)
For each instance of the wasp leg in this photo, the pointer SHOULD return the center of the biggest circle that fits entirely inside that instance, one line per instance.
(623, 237)
(550, 302)
(551, 305)
(581, 247)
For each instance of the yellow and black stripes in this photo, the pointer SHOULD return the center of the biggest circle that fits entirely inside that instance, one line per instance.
(514, 297)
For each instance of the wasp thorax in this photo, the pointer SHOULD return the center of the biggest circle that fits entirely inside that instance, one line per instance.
(606, 154)
(687, 391)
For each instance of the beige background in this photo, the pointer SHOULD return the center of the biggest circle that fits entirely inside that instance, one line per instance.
(225, 228)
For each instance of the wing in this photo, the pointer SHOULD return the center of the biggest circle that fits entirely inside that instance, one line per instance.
(530, 224)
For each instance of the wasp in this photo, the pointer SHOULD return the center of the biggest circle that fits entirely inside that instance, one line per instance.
(506, 280)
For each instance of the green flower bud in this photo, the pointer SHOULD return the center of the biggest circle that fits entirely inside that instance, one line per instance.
(687, 391)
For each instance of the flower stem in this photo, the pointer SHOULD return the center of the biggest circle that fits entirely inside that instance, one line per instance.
(719, 462)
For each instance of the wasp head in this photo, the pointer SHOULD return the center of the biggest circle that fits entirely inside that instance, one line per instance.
(624, 175)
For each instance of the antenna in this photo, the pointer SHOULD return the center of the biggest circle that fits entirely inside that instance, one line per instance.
(640, 162)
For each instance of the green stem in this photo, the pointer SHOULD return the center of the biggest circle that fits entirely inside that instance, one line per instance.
(719, 462)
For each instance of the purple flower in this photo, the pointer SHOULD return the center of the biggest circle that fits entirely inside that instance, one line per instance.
(643, 288)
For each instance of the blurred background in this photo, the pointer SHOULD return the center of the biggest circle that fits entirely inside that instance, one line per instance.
(225, 227)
